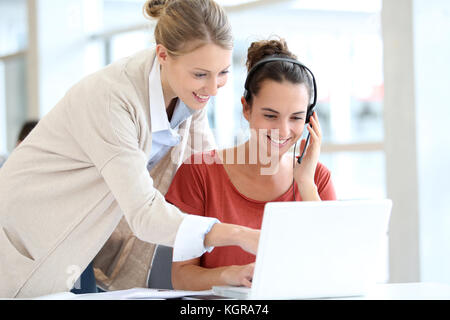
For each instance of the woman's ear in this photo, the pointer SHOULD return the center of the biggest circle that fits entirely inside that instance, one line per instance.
(162, 54)
(245, 109)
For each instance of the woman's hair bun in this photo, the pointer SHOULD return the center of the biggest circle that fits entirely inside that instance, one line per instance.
(261, 49)
(155, 8)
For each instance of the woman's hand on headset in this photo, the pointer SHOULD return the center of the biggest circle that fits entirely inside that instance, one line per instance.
(304, 172)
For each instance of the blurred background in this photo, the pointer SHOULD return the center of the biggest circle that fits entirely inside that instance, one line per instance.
(382, 117)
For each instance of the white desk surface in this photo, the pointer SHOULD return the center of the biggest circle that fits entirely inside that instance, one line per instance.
(398, 291)
(407, 291)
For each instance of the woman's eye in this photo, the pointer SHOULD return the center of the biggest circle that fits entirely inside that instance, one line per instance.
(269, 116)
(200, 75)
(297, 118)
(224, 72)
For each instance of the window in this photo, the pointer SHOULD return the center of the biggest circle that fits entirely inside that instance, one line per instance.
(13, 42)
(342, 45)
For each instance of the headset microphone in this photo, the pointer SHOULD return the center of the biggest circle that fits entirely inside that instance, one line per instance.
(300, 158)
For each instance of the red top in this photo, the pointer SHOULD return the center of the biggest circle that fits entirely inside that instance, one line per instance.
(205, 189)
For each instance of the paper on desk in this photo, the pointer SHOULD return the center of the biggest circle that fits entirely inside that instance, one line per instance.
(57, 296)
(140, 293)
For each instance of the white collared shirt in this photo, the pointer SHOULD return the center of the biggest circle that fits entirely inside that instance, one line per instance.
(189, 241)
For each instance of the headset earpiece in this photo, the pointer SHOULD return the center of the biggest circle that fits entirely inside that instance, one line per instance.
(309, 114)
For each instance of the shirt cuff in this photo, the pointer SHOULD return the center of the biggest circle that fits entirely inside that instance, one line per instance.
(190, 238)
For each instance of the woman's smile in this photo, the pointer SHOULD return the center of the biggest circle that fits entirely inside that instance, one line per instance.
(280, 143)
(201, 98)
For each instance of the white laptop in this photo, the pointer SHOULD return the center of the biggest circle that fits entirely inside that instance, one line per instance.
(321, 249)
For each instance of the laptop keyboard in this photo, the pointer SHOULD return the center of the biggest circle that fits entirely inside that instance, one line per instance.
(231, 291)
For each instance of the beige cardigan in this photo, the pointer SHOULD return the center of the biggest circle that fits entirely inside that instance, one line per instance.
(65, 189)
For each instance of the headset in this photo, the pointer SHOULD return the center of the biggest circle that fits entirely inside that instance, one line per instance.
(309, 110)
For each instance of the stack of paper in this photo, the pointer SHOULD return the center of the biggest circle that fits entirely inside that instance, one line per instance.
(140, 293)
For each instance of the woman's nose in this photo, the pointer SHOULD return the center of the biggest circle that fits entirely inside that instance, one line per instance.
(212, 87)
(284, 130)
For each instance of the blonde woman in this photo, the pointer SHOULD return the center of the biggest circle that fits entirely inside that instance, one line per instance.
(106, 154)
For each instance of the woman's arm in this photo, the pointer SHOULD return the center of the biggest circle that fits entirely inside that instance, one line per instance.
(224, 234)
(189, 275)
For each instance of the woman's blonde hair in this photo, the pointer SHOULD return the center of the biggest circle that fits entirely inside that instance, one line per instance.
(185, 25)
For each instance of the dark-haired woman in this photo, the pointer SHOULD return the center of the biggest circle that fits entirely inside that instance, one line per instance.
(233, 188)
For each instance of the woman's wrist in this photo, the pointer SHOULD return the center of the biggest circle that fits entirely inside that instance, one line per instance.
(248, 239)
(308, 191)
(225, 276)
(225, 234)
(222, 234)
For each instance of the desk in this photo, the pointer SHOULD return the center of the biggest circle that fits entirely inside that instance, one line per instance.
(399, 291)
(408, 291)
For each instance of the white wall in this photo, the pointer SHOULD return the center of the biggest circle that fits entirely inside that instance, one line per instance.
(417, 95)
(400, 142)
(432, 93)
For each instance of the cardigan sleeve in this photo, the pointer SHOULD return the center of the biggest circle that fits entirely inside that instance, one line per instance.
(107, 128)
